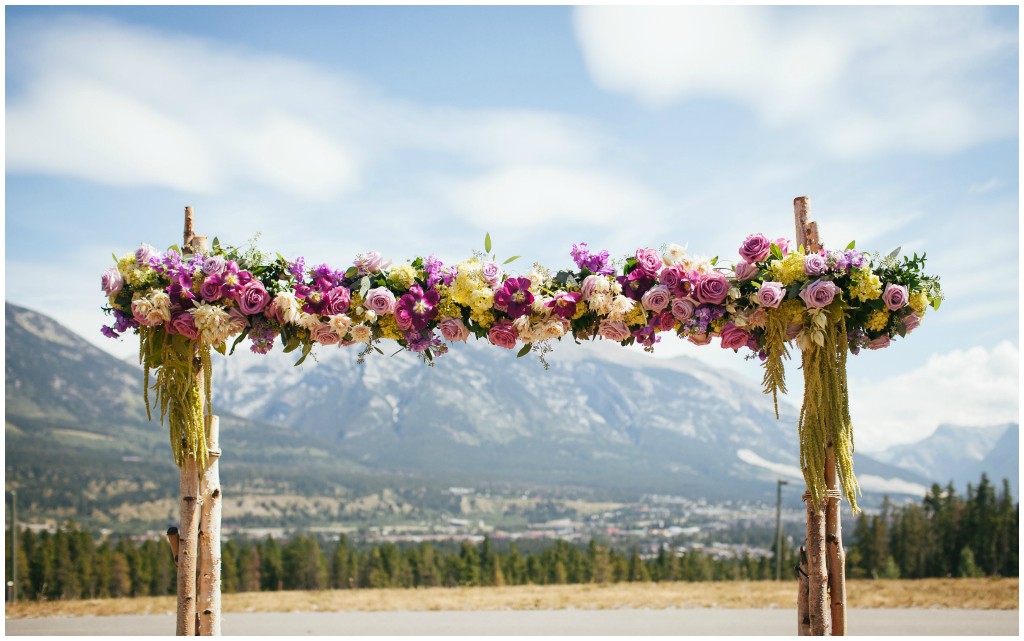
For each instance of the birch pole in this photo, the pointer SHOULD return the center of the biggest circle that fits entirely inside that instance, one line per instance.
(209, 535)
(819, 574)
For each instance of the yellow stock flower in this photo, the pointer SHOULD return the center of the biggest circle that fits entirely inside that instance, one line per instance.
(878, 320)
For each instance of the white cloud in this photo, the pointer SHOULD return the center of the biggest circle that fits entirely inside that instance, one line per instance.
(977, 386)
(858, 81)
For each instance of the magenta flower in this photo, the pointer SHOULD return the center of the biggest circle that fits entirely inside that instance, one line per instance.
(649, 261)
(755, 248)
(711, 288)
(563, 305)
(253, 297)
(515, 297)
(420, 306)
(636, 284)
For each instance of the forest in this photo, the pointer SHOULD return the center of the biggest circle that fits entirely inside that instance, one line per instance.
(945, 535)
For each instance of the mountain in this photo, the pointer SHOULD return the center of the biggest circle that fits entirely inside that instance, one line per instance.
(960, 455)
(338, 441)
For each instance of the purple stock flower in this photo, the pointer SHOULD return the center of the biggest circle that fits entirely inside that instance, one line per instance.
(596, 263)
(436, 273)
(261, 335)
(297, 268)
(515, 297)
(326, 273)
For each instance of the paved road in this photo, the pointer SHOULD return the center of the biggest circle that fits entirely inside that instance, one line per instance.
(543, 622)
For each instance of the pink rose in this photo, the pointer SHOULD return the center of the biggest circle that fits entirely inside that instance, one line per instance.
(699, 339)
(253, 297)
(734, 337)
(711, 288)
(325, 335)
(144, 253)
(895, 296)
(380, 300)
(592, 285)
(111, 281)
(879, 343)
(370, 262)
(403, 319)
(614, 330)
(491, 271)
(503, 335)
(656, 298)
(649, 261)
(682, 309)
(783, 245)
(211, 290)
(337, 300)
(214, 265)
(815, 265)
(912, 322)
(793, 330)
(771, 294)
(454, 329)
(184, 324)
(664, 321)
(745, 271)
(819, 294)
(670, 276)
(755, 248)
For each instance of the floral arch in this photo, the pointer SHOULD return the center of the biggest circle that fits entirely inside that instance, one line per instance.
(189, 300)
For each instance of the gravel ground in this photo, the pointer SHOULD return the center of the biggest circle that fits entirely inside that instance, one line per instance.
(543, 622)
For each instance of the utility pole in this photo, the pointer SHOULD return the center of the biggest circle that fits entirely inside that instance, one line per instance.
(778, 529)
(14, 546)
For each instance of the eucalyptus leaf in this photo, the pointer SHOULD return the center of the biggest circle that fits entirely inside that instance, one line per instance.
(305, 352)
(852, 244)
(571, 281)
(487, 242)
(514, 258)
(523, 352)
(776, 252)
(894, 253)
(241, 337)
(364, 286)
(352, 272)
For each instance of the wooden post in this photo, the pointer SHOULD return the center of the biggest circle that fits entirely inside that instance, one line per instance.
(209, 535)
(803, 615)
(824, 538)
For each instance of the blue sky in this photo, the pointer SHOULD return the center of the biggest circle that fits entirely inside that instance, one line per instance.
(331, 130)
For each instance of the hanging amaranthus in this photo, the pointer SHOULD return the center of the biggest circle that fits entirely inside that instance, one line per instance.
(825, 414)
(775, 350)
(174, 358)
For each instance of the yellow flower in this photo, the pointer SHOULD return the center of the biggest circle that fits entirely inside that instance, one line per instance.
(792, 310)
(878, 320)
(389, 327)
(481, 300)
(482, 318)
(636, 316)
(403, 275)
(717, 325)
(133, 274)
(445, 305)
(788, 270)
(866, 285)
(919, 302)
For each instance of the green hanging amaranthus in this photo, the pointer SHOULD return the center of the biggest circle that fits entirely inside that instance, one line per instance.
(825, 414)
(174, 358)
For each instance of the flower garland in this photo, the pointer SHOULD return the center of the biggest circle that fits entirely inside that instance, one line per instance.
(827, 301)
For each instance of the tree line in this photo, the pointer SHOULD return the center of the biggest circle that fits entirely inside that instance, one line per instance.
(946, 535)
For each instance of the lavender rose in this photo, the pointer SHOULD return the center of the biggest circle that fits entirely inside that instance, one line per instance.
(184, 324)
(144, 253)
(745, 270)
(503, 335)
(614, 330)
(111, 281)
(370, 262)
(815, 265)
(454, 329)
(755, 248)
(711, 288)
(819, 294)
(682, 309)
(734, 337)
(253, 298)
(782, 244)
(912, 322)
(325, 334)
(879, 343)
(649, 261)
(594, 285)
(656, 298)
(492, 272)
(214, 265)
(771, 294)
(211, 290)
(380, 300)
(895, 296)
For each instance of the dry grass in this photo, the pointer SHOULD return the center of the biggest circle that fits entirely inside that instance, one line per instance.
(985, 594)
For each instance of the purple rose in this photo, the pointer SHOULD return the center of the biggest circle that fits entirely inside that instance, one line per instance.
(711, 288)
(755, 248)
(144, 253)
(336, 301)
(783, 245)
(771, 294)
(895, 296)
(670, 276)
(656, 298)
(492, 272)
(370, 262)
(912, 321)
(879, 343)
(593, 284)
(454, 329)
(210, 290)
(815, 265)
(380, 300)
(664, 321)
(184, 324)
(503, 335)
(214, 265)
(745, 271)
(734, 337)
(252, 298)
(649, 261)
(614, 330)
(111, 281)
(682, 309)
(819, 294)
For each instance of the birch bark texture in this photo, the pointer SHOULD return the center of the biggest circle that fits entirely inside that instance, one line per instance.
(209, 535)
